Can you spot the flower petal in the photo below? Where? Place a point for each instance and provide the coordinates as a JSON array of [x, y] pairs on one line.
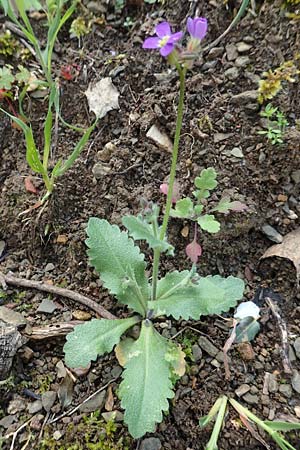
[[190, 26], [200, 28], [163, 29], [151, 42], [167, 49], [175, 37]]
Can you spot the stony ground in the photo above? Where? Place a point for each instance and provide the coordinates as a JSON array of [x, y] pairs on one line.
[[119, 166]]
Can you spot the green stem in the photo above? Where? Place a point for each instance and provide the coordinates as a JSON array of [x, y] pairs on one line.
[[212, 444], [182, 73]]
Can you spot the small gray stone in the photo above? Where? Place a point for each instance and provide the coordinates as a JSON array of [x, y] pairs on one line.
[[219, 137], [6, 421], [215, 52], [96, 7], [237, 152], [116, 371], [95, 403], [242, 47], [251, 399], [108, 149], [100, 169], [208, 346], [242, 390], [296, 381], [57, 435], [151, 443], [2, 248], [35, 407], [231, 52], [48, 400], [272, 234], [46, 306], [116, 416], [7, 315], [197, 353], [286, 390], [245, 98], [296, 176], [49, 267], [272, 383], [232, 73], [242, 61], [297, 347], [292, 355]]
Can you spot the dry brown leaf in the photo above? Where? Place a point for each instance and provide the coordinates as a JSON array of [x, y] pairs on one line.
[[109, 404], [29, 186], [65, 390], [289, 249], [102, 97]]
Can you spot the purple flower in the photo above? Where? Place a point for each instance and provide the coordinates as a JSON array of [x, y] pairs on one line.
[[165, 40], [197, 27]]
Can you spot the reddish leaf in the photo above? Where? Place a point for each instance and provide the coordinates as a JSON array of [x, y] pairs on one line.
[[193, 251], [238, 206], [29, 186], [66, 72]]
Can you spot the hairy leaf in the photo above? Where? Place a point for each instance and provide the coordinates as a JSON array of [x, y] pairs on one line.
[[6, 78], [176, 357], [225, 205], [209, 223], [140, 229], [146, 385], [277, 425], [183, 209], [94, 338], [119, 263], [179, 296]]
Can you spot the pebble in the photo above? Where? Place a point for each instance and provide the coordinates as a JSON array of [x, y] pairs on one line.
[[296, 381], [208, 346], [215, 52], [242, 61], [272, 234], [94, 403], [7, 315], [100, 169], [46, 306], [297, 347], [219, 137], [242, 390], [251, 399], [2, 249], [159, 138], [35, 407], [242, 47], [237, 152], [49, 267], [296, 176], [245, 98], [151, 443], [292, 355], [231, 52], [78, 314], [272, 383], [48, 400], [297, 411], [197, 353], [246, 351], [57, 435], [232, 73], [108, 149], [7, 421], [286, 390]]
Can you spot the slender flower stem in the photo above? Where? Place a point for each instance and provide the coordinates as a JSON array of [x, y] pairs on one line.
[[182, 74]]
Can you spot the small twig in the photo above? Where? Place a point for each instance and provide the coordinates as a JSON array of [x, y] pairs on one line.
[[226, 349], [75, 296], [287, 367], [69, 413], [15, 433], [254, 433]]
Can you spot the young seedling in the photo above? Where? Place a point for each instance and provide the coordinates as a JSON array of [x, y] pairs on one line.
[[16, 10], [276, 124], [248, 419], [152, 363]]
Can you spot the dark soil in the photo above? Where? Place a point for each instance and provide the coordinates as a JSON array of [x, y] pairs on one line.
[[264, 178]]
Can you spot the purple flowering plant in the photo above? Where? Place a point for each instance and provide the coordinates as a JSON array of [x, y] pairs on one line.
[[152, 363]]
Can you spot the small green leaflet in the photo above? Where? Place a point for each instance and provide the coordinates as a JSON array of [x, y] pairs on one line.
[[246, 330], [93, 339], [179, 297], [23, 76], [209, 223], [146, 385], [225, 205], [184, 209], [6, 78], [119, 262], [282, 426], [207, 179], [139, 229]]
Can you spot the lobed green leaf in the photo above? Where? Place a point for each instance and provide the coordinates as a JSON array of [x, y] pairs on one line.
[[209, 223], [180, 297], [93, 339], [184, 209], [146, 385], [119, 262]]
